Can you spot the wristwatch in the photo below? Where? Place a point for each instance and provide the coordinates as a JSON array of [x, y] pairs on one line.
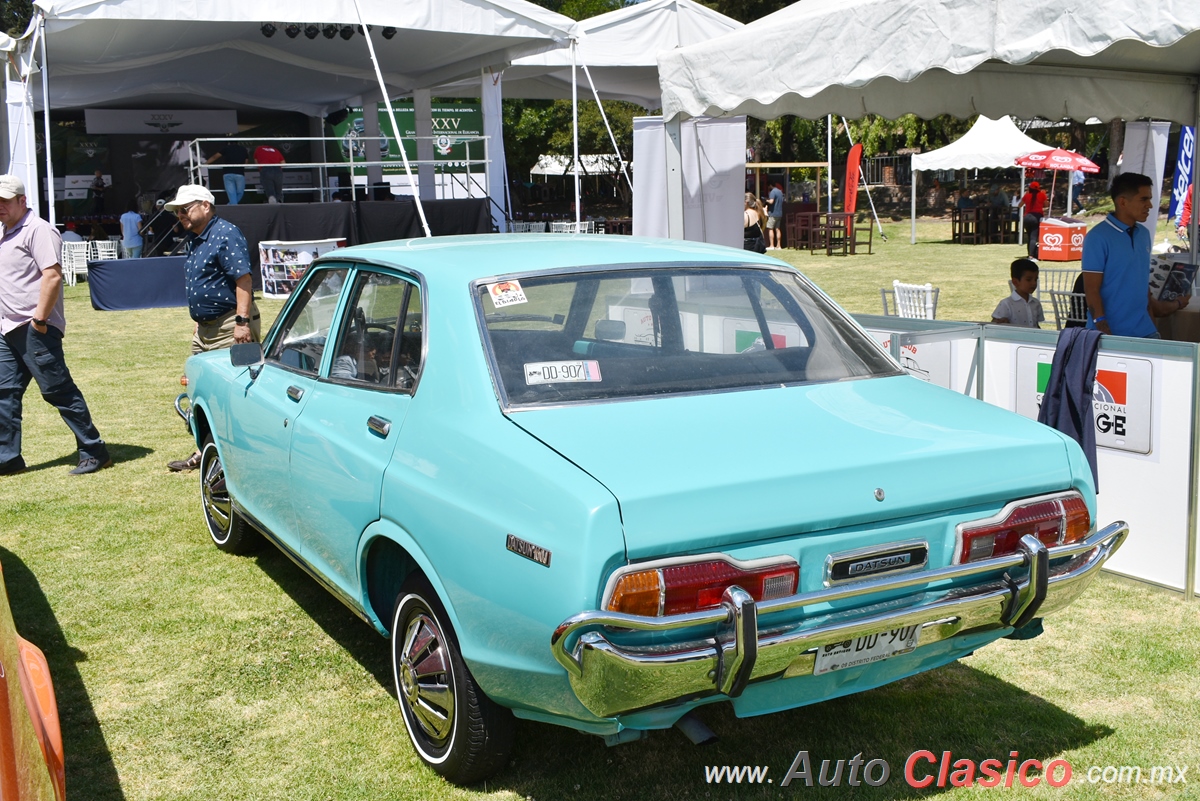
[[36, 321], [240, 320]]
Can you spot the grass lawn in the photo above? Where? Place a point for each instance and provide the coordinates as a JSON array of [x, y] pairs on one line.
[[185, 673]]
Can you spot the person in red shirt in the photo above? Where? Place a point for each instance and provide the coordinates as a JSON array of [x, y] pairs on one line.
[[270, 175], [1185, 218], [1034, 202]]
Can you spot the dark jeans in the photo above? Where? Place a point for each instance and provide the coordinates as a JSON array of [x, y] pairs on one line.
[[1032, 224], [26, 355], [272, 182]]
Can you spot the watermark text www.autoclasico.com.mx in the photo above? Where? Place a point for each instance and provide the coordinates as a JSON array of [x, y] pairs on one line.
[[929, 769]]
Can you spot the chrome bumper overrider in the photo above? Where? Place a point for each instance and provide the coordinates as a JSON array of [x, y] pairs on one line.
[[740, 646]]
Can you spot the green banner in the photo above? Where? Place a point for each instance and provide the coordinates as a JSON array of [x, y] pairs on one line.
[[453, 125]]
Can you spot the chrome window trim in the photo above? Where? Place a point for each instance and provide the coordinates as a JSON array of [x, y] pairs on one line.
[[507, 406], [675, 561], [1005, 511], [356, 263], [871, 550]]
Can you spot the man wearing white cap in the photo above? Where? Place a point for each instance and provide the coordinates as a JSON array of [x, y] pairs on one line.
[[32, 324], [217, 280]]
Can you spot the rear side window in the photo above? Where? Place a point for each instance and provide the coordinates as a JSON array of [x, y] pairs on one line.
[[639, 332], [380, 341], [301, 340]]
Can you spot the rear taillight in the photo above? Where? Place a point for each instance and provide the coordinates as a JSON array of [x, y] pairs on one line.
[[1055, 520], [691, 586]]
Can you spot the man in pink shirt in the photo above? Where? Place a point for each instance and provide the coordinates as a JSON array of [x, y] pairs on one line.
[[31, 332]]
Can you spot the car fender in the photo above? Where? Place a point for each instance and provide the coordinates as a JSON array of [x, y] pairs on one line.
[[389, 530]]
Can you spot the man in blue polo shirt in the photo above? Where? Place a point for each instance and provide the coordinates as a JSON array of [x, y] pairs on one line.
[[217, 280], [1116, 264]]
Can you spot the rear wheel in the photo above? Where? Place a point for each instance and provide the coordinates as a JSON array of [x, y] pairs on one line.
[[456, 729], [228, 530]]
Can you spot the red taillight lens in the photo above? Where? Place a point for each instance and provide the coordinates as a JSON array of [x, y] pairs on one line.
[[689, 587], [1054, 521]]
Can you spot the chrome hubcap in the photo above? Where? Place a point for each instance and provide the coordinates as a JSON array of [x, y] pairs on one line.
[[425, 678], [214, 493]]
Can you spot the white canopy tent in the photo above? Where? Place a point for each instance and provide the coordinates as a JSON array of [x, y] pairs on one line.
[[620, 51], [990, 144], [1075, 58], [163, 54], [122, 53]]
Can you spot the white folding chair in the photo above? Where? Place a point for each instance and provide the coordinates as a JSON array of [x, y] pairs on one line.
[[1056, 279], [916, 301], [537, 228], [103, 250], [1069, 308], [74, 261]]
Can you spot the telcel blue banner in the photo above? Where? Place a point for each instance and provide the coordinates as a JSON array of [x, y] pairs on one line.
[[1183, 171]]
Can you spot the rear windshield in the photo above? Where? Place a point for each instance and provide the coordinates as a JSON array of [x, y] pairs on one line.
[[641, 332]]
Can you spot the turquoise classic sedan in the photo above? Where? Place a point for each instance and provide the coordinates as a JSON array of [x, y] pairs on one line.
[[600, 482]]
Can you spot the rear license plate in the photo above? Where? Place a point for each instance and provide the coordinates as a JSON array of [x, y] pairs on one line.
[[866, 649]]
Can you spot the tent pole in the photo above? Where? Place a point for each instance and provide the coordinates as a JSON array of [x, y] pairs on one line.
[[829, 162], [575, 133], [608, 127], [1020, 214], [866, 187], [913, 217], [46, 123], [392, 118]]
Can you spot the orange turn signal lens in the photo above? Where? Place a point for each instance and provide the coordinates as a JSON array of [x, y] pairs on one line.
[[639, 593], [1077, 520]]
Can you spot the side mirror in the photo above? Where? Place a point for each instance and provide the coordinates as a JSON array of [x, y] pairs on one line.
[[246, 354]]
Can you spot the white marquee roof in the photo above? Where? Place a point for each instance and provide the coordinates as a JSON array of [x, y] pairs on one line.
[[169, 53], [1066, 58], [620, 49], [989, 144]]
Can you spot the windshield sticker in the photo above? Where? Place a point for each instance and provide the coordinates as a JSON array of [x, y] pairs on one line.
[[561, 372], [506, 293]]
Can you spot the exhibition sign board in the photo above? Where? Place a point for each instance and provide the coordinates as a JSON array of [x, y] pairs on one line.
[[283, 264], [1146, 400], [1144, 404], [457, 131], [940, 352]]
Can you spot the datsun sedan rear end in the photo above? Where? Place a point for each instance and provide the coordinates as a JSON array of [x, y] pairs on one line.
[[602, 481]]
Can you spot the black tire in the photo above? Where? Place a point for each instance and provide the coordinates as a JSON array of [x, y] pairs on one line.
[[456, 729], [228, 530]]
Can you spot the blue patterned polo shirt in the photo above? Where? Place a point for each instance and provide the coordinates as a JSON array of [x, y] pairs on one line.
[[217, 257]]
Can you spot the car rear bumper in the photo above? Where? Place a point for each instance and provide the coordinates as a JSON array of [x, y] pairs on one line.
[[742, 646]]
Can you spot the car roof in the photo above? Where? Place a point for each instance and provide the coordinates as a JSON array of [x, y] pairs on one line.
[[459, 259]]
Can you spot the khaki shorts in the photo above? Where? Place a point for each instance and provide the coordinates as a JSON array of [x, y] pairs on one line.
[[218, 333], [773, 222]]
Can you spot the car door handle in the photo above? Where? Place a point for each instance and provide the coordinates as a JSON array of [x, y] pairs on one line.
[[379, 426], [295, 393]]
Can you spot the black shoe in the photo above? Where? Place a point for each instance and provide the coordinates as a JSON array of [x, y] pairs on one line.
[[91, 465], [12, 468], [183, 465]]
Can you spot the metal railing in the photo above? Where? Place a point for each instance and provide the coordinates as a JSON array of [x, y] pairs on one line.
[[469, 175]]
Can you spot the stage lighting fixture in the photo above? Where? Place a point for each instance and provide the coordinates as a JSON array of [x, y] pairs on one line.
[[312, 31], [292, 30], [268, 29], [347, 32], [388, 33], [330, 31]]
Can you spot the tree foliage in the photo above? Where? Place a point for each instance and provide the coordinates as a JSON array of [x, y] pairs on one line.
[[15, 16]]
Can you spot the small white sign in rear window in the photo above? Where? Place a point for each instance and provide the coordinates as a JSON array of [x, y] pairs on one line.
[[561, 372], [506, 293]]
